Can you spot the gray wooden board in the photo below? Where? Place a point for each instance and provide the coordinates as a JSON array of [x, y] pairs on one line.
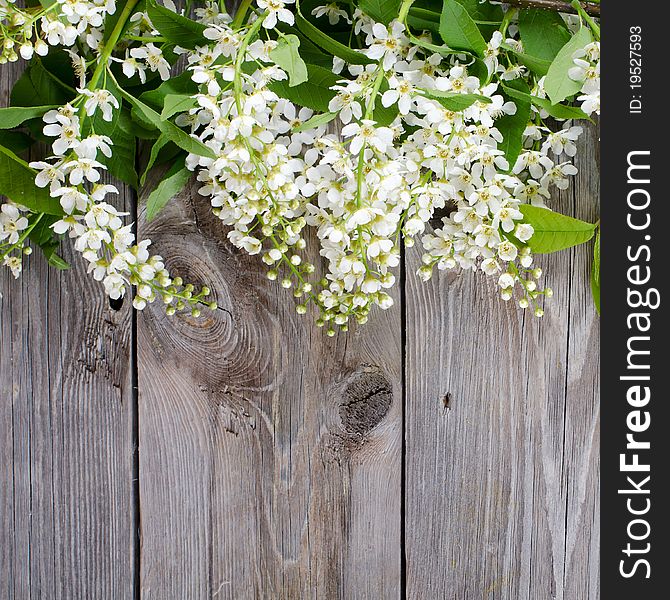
[[269, 453], [66, 450], [270, 456], [502, 488]]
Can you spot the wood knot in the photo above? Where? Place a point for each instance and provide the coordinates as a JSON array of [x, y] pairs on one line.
[[366, 400]]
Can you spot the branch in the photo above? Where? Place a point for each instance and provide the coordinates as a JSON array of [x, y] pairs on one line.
[[592, 8]]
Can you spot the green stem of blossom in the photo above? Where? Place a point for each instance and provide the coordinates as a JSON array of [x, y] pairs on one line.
[[589, 20], [24, 235], [240, 14], [111, 43], [239, 59], [146, 38]]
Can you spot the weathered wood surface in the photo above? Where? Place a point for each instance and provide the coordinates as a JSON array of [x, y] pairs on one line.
[[275, 462], [502, 487], [66, 433]]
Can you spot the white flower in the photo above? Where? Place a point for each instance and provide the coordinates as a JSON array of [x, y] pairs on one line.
[[346, 103], [84, 168], [88, 147], [558, 175], [507, 251], [276, 10], [387, 43], [333, 12], [12, 223], [506, 280], [14, 264], [366, 133], [49, 174], [401, 92], [131, 67], [524, 232], [563, 141], [102, 99], [67, 132], [71, 199], [492, 51], [154, 59], [590, 103]]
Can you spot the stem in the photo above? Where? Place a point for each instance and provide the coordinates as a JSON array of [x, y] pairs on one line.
[[138, 38], [584, 15], [111, 43], [507, 19], [24, 235], [404, 10], [240, 14], [591, 7], [239, 59]]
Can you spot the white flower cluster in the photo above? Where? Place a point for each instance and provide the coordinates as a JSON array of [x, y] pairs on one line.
[[587, 71], [255, 182], [373, 184], [73, 176], [24, 32], [13, 224]]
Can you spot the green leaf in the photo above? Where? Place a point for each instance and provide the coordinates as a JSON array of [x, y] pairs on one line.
[[595, 272], [458, 30], [180, 85], [482, 11], [558, 111], [38, 86], [557, 83], [17, 182], [16, 141], [174, 182], [538, 66], [382, 11], [315, 93], [328, 43], [543, 33], [486, 16], [315, 121], [162, 151], [122, 162], [286, 56], [177, 29], [155, 149], [554, 231], [177, 103], [173, 133], [512, 126], [419, 19], [13, 116], [454, 101], [443, 50]]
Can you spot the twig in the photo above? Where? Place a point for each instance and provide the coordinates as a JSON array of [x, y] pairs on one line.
[[592, 8]]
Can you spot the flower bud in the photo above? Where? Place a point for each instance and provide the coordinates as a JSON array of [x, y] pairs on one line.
[[26, 50]]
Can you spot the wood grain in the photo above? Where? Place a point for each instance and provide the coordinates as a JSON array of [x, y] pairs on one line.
[[501, 488], [269, 453], [66, 518], [271, 456]]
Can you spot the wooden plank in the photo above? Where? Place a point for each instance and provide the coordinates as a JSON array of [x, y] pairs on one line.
[[582, 423], [501, 490], [269, 453], [66, 405]]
